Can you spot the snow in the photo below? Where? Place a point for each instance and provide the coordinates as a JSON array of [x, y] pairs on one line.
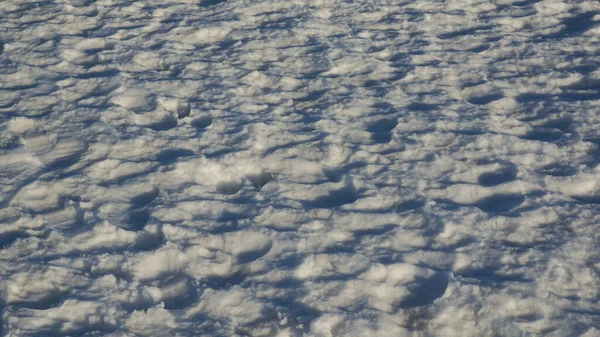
[[299, 168]]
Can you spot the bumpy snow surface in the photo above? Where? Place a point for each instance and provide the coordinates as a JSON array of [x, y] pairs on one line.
[[300, 168]]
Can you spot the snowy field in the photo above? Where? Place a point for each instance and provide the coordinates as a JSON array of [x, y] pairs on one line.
[[300, 168]]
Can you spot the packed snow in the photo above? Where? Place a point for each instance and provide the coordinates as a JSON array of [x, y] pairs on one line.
[[300, 168]]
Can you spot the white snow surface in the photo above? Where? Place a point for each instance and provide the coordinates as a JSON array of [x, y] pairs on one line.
[[300, 168]]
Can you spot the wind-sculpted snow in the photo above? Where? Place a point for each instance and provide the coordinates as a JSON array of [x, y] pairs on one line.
[[299, 168]]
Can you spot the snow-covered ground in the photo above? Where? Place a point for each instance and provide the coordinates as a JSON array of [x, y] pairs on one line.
[[300, 168]]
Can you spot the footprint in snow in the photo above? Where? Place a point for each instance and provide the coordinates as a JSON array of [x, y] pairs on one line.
[[229, 186], [202, 122], [247, 246], [381, 129], [175, 291], [497, 173]]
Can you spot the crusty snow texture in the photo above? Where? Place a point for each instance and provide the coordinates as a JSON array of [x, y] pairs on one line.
[[295, 168]]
